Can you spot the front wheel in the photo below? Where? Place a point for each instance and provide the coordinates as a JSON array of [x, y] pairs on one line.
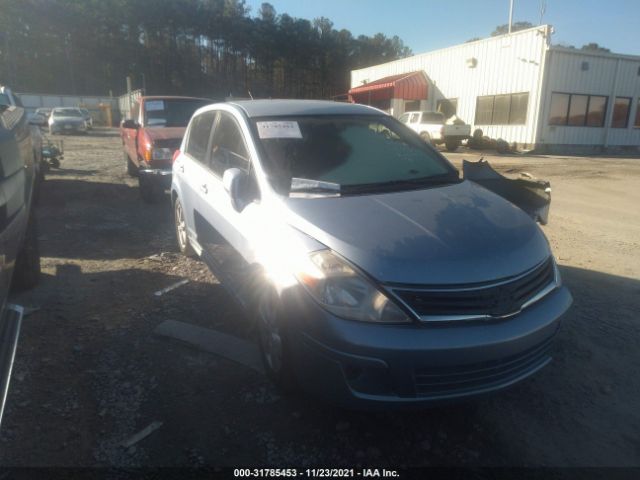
[[27, 267], [130, 167], [426, 137], [452, 145], [181, 230], [273, 340]]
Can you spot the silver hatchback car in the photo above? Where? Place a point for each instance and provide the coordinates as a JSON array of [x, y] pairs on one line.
[[377, 276]]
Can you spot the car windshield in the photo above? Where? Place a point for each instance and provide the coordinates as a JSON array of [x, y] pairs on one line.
[[347, 153], [67, 112], [170, 113]]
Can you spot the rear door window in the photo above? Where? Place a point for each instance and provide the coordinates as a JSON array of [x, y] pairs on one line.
[[199, 134], [433, 117]]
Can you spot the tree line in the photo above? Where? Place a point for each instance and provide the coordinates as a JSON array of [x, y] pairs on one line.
[[214, 48]]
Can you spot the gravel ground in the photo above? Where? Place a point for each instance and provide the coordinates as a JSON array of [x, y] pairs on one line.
[[90, 373]]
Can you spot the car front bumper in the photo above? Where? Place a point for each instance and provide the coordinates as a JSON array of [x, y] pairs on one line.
[[363, 365], [68, 128]]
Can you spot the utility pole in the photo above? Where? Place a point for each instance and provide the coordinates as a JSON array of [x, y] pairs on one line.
[[510, 14]]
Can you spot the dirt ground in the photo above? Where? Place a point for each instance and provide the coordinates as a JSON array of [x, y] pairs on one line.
[[89, 371]]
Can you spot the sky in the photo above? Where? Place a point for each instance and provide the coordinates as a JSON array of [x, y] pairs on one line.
[[425, 25]]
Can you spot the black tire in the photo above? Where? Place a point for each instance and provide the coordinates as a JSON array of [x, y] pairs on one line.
[[273, 340], [452, 145], [27, 268], [182, 238], [131, 168], [149, 190]]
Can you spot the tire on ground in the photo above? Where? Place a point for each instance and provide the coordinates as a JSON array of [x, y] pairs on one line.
[[27, 268], [131, 168]]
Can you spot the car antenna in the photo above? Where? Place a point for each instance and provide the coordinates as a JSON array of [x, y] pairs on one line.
[[250, 96]]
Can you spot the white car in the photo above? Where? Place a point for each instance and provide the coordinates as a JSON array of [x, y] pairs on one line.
[[434, 128], [67, 120]]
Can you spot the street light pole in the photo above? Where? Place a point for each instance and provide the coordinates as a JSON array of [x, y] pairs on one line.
[[510, 14]]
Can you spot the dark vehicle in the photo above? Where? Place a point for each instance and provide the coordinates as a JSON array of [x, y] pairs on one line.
[[45, 112], [152, 135], [19, 254]]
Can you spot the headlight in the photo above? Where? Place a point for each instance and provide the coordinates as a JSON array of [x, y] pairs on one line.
[[162, 154], [346, 293], [556, 273]]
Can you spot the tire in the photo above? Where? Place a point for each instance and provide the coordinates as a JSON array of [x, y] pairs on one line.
[[274, 340], [452, 145], [149, 190], [131, 168], [426, 137], [27, 269], [182, 237]]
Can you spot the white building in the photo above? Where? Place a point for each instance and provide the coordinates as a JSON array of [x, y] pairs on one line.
[[520, 88]]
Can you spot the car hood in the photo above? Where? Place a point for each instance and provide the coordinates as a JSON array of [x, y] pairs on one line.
[[454, 234], [165, 133]]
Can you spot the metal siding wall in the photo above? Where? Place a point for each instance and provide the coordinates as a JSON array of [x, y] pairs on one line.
[[506, 64], [567, 76]]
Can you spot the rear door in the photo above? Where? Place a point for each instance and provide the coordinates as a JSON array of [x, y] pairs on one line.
[[191, 167]]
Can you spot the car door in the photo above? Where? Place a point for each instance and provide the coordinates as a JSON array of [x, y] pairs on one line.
[[228, 149], [191, 167]]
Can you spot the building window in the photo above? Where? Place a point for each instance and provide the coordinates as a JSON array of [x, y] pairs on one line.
[[637, 122], [448, 107], [577, 110], [621, 109], [510, 109], [412, 105]]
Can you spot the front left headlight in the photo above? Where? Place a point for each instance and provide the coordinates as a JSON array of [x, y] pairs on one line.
[[346, 293]]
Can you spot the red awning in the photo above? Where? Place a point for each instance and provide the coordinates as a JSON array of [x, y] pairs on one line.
[[407, 86]]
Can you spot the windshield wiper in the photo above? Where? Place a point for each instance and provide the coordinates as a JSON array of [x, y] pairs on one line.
[[307, 185], [407, 182]]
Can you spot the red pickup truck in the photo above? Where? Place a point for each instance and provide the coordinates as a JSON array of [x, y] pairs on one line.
[[151, 136]]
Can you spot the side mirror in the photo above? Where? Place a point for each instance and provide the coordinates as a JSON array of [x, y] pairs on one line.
[[130, 124], [233, 181]]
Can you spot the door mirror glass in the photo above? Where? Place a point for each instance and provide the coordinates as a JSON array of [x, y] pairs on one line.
[[233, 181]]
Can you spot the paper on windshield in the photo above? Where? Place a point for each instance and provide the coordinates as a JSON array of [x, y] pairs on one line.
[[154, 105], [281, 129]]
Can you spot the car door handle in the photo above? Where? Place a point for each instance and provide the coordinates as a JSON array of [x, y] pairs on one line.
[[203, 188], [181, 168]]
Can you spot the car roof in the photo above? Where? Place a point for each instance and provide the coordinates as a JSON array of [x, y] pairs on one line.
[[276, 108]]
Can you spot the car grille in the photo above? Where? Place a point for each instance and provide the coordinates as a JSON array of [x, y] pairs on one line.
[[454, 380], [496, 300]]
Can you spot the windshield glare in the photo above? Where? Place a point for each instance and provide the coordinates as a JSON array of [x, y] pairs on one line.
[[67, 112], [351, 151], [170, 113]]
